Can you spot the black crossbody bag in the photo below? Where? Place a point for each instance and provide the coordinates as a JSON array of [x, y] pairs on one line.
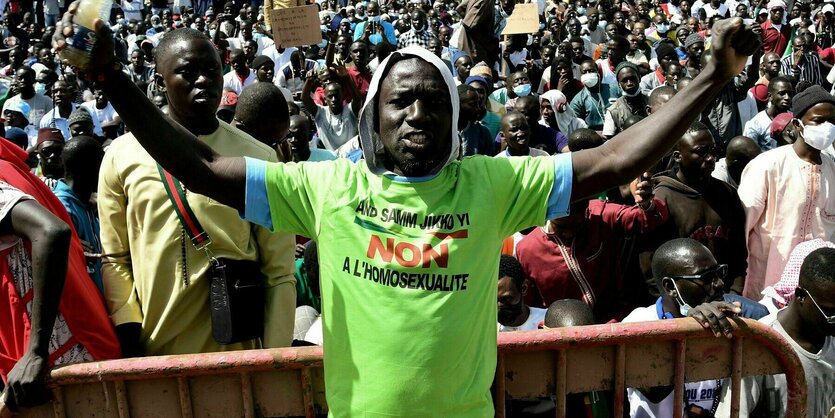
[[236, 292]]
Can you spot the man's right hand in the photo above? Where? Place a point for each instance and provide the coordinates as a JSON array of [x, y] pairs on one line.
[[732, 43], [715, 316], [25, 387], [797, 58], [103, 54]]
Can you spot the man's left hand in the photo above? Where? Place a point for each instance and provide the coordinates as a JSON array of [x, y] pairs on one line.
[[25, 387], [641, 189]]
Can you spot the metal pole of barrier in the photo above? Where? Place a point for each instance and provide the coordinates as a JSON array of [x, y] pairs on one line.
[[122, 399], [185, 397], [678, 397], [246, 393], [562, 394], [307, 392], [736, 376], [620, 379], [58, 403]]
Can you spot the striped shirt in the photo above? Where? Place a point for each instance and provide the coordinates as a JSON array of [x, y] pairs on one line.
[[808, 70]]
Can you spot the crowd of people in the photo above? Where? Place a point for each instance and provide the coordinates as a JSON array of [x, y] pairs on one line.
[[629, 161]]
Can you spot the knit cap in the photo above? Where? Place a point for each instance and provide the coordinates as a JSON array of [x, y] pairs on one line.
[[692, 39], [261, 60], [79, 115], [627, 64], [807, 98]]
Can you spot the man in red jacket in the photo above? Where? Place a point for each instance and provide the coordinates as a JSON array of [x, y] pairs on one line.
[[580, 256], [776, 33], [50, 309]]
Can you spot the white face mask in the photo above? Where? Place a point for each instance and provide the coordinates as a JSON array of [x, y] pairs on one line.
[[819, 137], [590, 79]]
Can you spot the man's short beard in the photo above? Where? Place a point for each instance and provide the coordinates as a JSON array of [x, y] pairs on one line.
[[412, 165]]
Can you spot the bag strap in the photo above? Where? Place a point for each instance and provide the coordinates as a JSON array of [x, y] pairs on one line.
[[199, 237]]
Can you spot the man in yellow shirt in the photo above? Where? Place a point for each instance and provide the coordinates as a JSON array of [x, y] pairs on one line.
[[155, 280]]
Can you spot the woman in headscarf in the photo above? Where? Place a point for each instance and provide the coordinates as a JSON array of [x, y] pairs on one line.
[[557, 114]]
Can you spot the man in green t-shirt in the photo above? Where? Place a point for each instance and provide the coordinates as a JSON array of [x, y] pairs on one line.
[[409, 239]]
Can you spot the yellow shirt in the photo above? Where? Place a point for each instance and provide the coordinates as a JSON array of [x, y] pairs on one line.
[[145, 247]]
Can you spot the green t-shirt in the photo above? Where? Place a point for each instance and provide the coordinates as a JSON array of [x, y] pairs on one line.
[[408, 273]]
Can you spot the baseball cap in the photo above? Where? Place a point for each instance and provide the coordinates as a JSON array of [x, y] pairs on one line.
[[779, 123]]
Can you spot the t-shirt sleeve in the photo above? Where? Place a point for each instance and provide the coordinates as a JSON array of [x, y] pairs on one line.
[[256, 205], [560, 197], [528, 191], [10, 196], [298, 193]]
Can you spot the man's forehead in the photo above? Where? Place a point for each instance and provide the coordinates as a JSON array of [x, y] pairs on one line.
[[697, 139], [401, 76]]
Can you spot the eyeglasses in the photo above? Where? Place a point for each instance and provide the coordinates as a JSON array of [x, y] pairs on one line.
[[830, 319], [711, 276]]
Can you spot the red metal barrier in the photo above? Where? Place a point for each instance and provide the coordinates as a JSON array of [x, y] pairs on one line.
[[554, 362]]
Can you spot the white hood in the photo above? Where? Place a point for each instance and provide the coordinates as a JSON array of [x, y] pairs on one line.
[[372, 146]]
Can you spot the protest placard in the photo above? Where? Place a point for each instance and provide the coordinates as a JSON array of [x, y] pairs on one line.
[[296, 26], [524, 19]]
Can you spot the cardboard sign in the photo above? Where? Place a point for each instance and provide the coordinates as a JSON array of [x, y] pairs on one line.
[[296, 26], [525, 19]]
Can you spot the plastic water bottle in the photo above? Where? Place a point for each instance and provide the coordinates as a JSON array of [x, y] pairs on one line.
[[80, 46]]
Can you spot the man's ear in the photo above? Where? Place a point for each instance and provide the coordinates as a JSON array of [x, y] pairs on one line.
[[524, 289], [160, 82], [668, 286], [676, 156]]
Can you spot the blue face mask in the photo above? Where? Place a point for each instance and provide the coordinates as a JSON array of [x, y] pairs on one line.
[[323, 44], [581, 11], [522, 90], [662, 28], [40, 88]]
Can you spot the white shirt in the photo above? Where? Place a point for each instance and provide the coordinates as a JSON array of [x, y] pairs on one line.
[[104, 115], [63, 124], [279, 58], [771, 392], [759, 129], [710, 11], [132, 9], [335, 130], [232, 82], [39, 105], [263, 44], [535, 317], [720, 172], [702, 393]]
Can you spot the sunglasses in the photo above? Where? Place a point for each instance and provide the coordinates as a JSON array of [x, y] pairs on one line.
[[830, 319], [711, 276]]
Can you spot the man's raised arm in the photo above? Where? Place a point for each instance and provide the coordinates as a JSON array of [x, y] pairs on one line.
[[636, 149], [176, 149]]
